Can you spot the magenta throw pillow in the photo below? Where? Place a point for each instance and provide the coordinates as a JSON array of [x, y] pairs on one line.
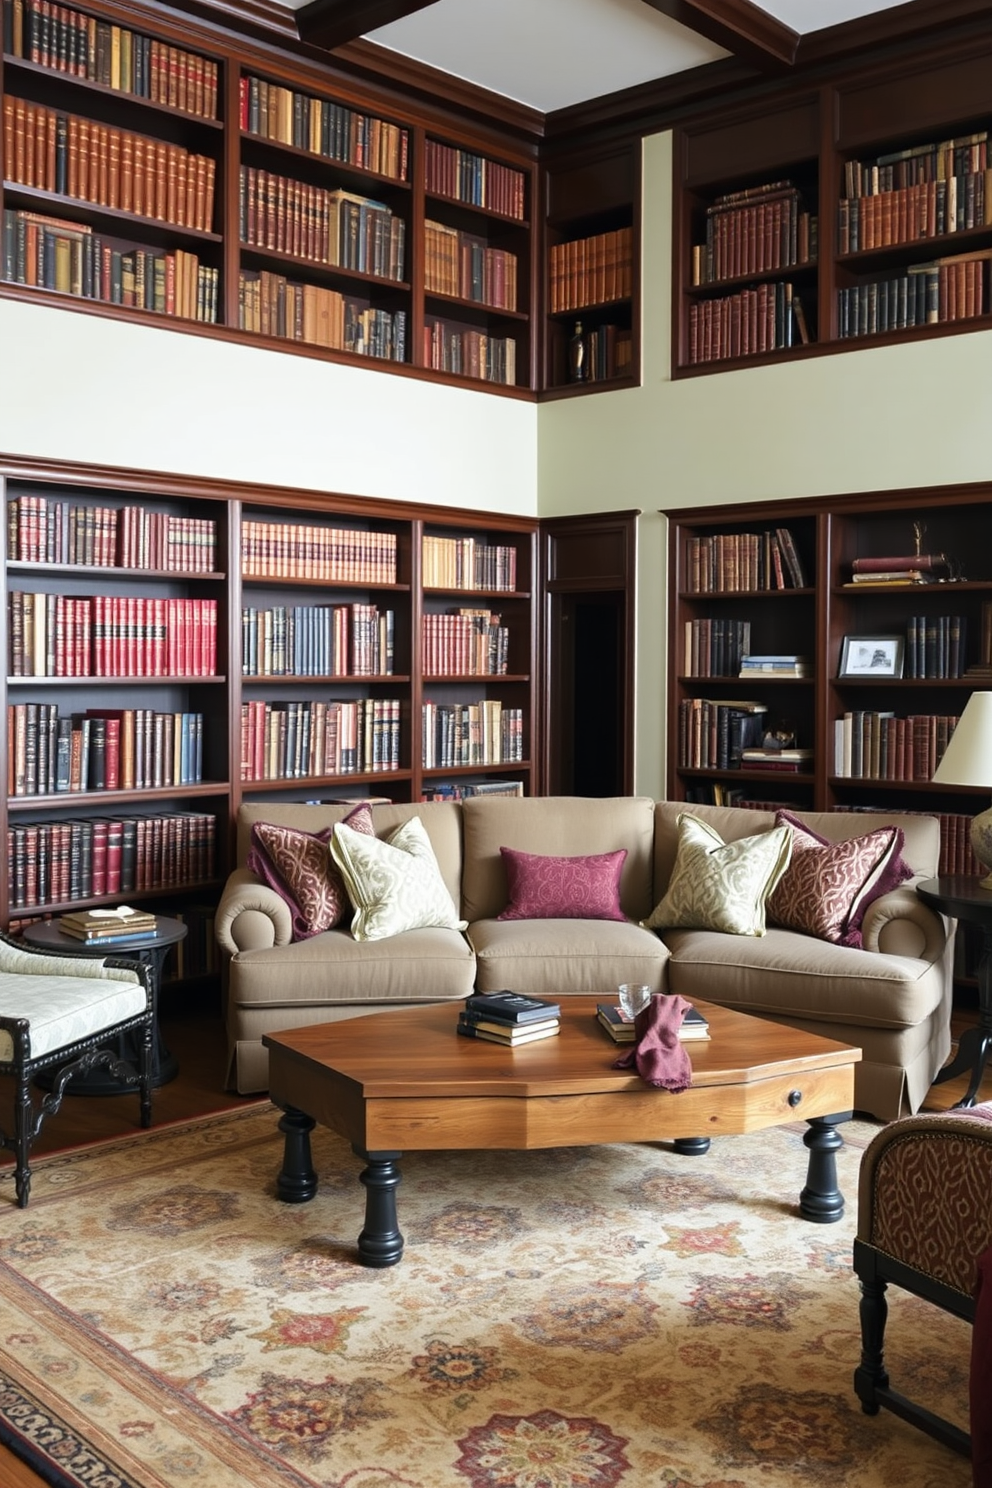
[[299, 867], [828, 886], [563, 888]]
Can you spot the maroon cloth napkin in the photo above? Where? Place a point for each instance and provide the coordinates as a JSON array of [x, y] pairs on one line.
[[658, 1052]]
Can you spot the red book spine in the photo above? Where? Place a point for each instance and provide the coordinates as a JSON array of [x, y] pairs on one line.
[[98, 879]]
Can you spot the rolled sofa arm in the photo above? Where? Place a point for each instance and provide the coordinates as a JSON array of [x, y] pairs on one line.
[[251, 916], [900, 924]]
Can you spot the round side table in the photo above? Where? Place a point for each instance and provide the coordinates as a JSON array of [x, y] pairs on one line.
[[961, 896], [151, 949]]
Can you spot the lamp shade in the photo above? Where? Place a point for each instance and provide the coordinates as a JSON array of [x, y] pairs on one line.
[[967, 760]]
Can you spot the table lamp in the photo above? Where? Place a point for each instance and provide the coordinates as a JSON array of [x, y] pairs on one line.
[[967, 760]]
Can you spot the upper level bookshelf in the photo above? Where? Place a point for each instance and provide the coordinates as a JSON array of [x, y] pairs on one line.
[[593, 273], [175, 646], [176, 171], [855, 211], [860, 659]]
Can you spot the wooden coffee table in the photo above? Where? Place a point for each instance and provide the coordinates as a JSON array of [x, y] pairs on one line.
[[404, 1080]]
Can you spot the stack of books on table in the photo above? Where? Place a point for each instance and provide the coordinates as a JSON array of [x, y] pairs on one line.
[[780, 664], [508, 1018], [109, 926], [621, 1028], [788, 760]]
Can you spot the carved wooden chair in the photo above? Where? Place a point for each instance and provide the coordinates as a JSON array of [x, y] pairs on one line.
[[67, 1014], [924, 1224]]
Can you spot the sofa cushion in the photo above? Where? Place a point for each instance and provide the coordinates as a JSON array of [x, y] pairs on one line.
[[551, 958], [566, 826], [717, 885], [395, 885], [545, 888], [828, 885], [298, 866]]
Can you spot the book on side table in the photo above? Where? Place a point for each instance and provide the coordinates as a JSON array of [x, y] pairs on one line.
[[621, 1028], [108, 926], [508, 1018]]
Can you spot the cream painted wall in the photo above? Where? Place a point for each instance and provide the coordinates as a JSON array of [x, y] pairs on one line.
[[874, 419], [80, 387]]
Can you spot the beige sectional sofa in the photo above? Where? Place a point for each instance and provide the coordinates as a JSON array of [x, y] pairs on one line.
[[892, 997]]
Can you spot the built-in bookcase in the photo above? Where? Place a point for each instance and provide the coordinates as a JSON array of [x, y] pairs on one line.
[[175, 646], [876, 732]]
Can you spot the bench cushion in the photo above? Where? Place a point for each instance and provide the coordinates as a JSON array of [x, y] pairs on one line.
[[62, 1010]]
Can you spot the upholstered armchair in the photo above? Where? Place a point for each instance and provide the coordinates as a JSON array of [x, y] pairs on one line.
[[925, 1224]]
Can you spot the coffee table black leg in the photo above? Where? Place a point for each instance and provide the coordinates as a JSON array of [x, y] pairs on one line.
[[691, 1146], [297, 1180], [380, 1243], [821, 1201]]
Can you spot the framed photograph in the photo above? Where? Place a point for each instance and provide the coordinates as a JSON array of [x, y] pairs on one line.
[[872, 656]]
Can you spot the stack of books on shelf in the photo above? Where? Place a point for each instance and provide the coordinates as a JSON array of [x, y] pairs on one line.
[[784, 664], [910, 568], [108, 926], [621, 1028], [786, 760], [713, 734], [508, 1018]]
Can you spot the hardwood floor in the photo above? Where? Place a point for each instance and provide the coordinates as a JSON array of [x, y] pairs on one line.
[[194, 1032]]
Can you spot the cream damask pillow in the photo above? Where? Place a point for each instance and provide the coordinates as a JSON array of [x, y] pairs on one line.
[[717, 885], [394, 885]]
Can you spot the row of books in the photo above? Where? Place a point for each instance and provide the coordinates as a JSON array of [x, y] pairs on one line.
[[927, 294], [110, 635], [71, 259], [353, 640], [592, 271], [508, 1018], [297, 740], [713, 647], [339, 228], [468, 563], [608, 352], [771, 230], [768, 318], [334, 555], [462, 734], [956, 855], [61, 862], [272, 305], [935, 645], [47, 529], [874, 745], [459, 791], [712, 734], [934, 160], [469, 353], [467, 643], [67, 40], [333, 130], [463, 264], [49, 753], [88, 161], [724, 562], [463, 176]]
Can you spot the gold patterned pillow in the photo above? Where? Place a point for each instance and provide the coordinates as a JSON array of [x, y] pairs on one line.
[[717, 885]]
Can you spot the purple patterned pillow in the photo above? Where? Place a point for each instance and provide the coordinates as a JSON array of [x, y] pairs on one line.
[[299, 867], [563, 888], [828, 886]]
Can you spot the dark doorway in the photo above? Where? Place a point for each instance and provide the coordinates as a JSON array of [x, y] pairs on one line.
[[597, 719]]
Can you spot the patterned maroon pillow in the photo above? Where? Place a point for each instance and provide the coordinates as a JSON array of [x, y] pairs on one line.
[[563, 888], [298, 866], [828, 886]]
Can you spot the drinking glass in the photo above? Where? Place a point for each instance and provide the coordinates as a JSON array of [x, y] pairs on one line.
[[633, 999]]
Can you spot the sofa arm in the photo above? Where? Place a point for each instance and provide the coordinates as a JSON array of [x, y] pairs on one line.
[[900, 924], [251, 916]]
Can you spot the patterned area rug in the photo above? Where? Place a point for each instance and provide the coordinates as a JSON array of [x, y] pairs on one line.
[[582, 1318]]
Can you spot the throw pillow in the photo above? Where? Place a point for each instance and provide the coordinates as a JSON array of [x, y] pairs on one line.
[[298, 866], [829, 885], [394, 885], [563, 888], [717, 885]]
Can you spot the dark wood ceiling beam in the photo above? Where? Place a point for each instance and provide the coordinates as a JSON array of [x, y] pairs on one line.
[[744, 29], [330, 23]]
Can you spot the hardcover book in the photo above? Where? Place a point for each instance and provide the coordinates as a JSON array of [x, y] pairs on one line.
[[511, 1007], [621, 1028], [508, 1038]]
